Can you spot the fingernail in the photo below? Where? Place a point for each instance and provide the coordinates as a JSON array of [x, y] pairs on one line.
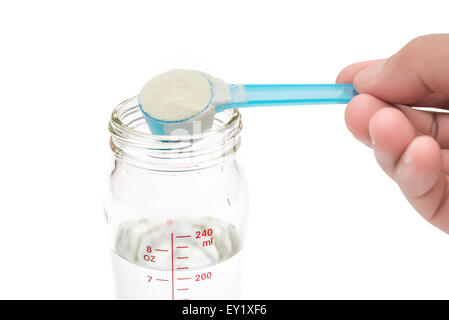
[[367, 143], [407, 159], [363, 140], [370, 72], [385, 160]]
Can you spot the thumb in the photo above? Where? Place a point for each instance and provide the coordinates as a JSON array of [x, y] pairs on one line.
[[418, 74]]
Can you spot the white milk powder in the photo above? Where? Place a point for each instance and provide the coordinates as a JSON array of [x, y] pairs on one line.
[[180, 94]]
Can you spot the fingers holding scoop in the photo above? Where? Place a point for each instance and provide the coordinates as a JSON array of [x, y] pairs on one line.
[[404, 152], [410, 145]]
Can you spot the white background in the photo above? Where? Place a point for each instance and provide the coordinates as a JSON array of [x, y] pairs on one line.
[[325, 221]]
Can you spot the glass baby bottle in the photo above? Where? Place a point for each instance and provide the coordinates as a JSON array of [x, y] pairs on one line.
[[176, 209]]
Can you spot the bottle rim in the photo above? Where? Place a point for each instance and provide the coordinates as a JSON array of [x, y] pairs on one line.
[[145, 148]]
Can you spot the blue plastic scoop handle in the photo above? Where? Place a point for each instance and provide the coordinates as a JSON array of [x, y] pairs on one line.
[[259, 95]]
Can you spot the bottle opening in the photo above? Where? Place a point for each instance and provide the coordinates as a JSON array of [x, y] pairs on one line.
[[132, 140]]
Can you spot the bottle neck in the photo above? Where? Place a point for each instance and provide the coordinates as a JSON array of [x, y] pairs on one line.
[[132, 141]]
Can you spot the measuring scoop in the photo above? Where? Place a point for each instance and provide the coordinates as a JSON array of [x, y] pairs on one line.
[[228, 96]]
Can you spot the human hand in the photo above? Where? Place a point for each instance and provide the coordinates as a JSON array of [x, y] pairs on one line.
[[410, 145]]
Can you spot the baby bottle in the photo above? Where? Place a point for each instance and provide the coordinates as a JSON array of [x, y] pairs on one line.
[[176, 209]]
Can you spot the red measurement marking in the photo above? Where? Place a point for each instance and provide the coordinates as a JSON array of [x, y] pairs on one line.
[[182, 258], [184, 278], [149, 258], [182, 268], [172, 271], [160, 250], [203, 276], [183, 247], [205, 233], [183, 236], [182, 289], [162, 279]]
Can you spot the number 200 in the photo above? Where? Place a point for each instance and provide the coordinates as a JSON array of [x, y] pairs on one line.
[[203, 276]]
